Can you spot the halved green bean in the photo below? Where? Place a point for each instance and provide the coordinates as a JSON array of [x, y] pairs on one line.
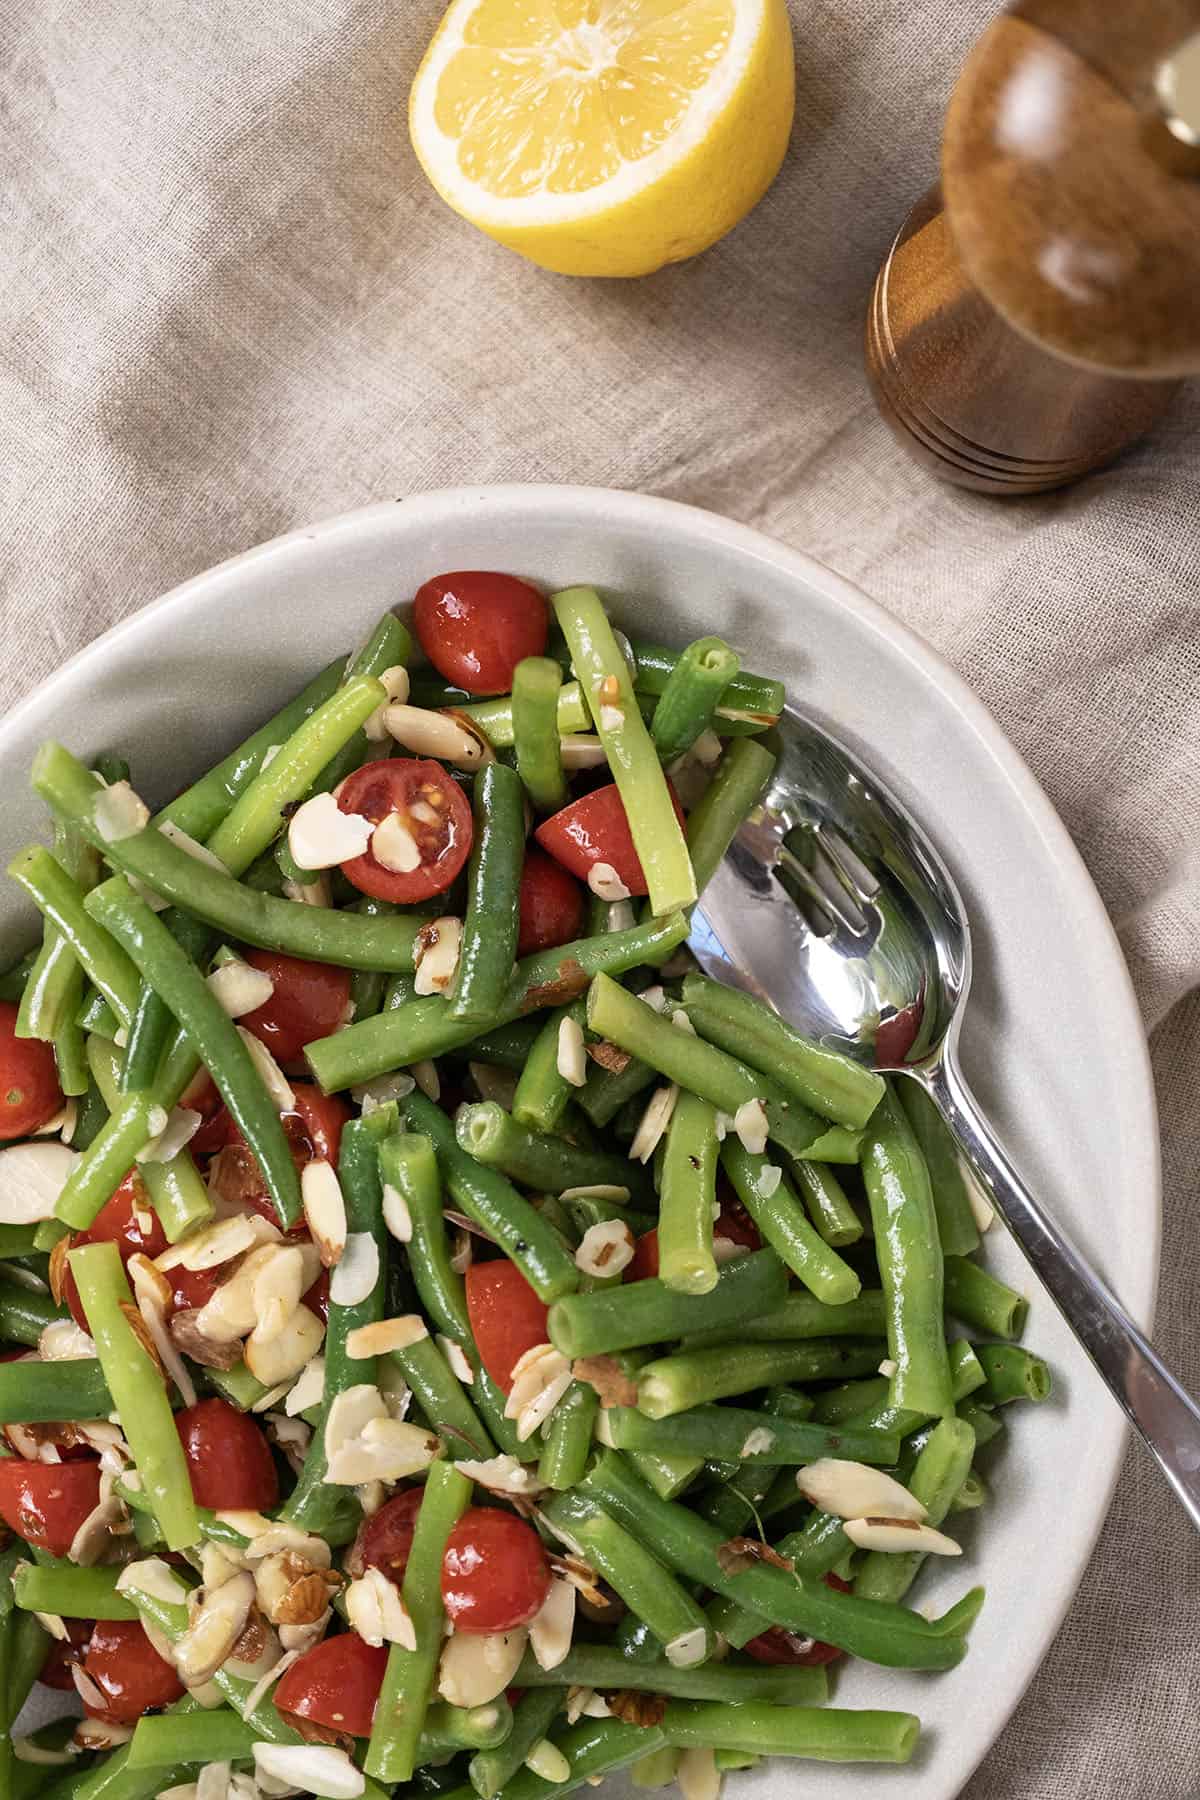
[[823, 1079], [957, 1228], [822, 1734], [444, 1401], [542, 1090], [204, 1737], [768, 1197], [910, 1260], [137, 1390], [489, 936], [803, 1316], [939, 1472], [409, 1164], [492, 1202], [695, 1064], [982, 1301], [61, 900], [740, 1435], [690, 1378], [604, 678], [101, 1169], [550, 1164], [424, 1028], [690, 695], [828, 1206], [72, 1592], [1011, 1373], [648, 1588], [495, 717], [36, 1392], [687, 1189], [568, 1437], [536, 684], [649, 1312], [25, 1312], [408, 1681]]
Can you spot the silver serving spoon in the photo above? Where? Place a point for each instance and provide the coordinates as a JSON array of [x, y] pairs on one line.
[[867, 947]]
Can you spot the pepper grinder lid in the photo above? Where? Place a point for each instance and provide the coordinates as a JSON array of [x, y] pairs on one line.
[[1071, 174]]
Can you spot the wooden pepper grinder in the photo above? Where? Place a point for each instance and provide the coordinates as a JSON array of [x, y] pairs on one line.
[[1039, 306]]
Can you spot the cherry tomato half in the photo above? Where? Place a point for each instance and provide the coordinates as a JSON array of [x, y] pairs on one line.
[[46, 1503], [129, 1672], [62, 1656], [506, 1316], [644, 1266], [475, 627], [117, 1223], [335, 1684], [595, 830], [29, 1090], [228, 1458], [495, 1574], [440, 825], [551, 903], [311, 1000], [314, 1133], [202, 1095], [385, 1541], [733, 1221], [316, 1298], [788, 1649]]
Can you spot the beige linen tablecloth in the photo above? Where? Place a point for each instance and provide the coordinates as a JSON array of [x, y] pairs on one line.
[[231, 304]]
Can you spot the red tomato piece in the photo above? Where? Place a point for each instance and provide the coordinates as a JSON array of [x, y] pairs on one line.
[[495, 1574], [129, 1672], [385, 1541], [29, 1090], [644, 1266], [506, 1316], [476, 626], [551, 903], [314, 1133], [117, 1223], [789, 1649], [316, 1298], [335, 1684], [442, 826], [310, 1001], [595, 830], [228, 1458], [46, 1503], [734, 1222], [62, 1657], [193, 1288], [203, 1096]]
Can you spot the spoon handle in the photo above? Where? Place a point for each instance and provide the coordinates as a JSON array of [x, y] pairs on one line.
[[1165, 1415]]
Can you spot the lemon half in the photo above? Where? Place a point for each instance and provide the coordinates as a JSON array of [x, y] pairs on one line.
[[605, 137]]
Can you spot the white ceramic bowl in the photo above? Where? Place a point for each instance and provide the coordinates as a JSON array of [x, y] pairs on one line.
[[1054, 1044]]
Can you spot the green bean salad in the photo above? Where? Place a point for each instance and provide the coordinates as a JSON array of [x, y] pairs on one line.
[[453, 1346]]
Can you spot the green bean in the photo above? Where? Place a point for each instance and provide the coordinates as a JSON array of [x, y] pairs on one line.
[[687, 1190], [737, 1434], [691, 694], [910, 1260], [536, 684], [837, 1145], [746, 692], [24, 1313], [70, 1591], [441, 1397], [257, 815], [813, 1551], [690, 1378], [593, 1748], [769, 1198], [464, 1727], [491, 1770], [204, 1737], [1011, 1373], [649, 1312], [111, 1778], [802, 1316], [28, 1647], [96, 1015], [62, 901], [828, 1207], [408, 1164], [389, 646], [489, 936], [939, 1472], [408, 1681], [314, 1500], [493, 1137], [734, 791], [492, 1202], [542, 1091], [694, 1064], [90, 1117], [971, 1495], [15, 978], [822, 1734], [508, 1046], [821, 1078], [70, 1058], [211, 1031], [495, 717], [648, 1588], [18, 1240], [725, 1761], [602, 1666], [137, 1390], [202, 807], [982, 1301], [957, 1228], [104, 1165], [604, 678], [984, 1422], [568, 1437], [424, 1028], [582, 1210], [667, 1475], [608, 1090], [884, 1634], [853, 1399], [318, 933], [178, 1194], [152, 1021], [52, 993], [368, 986], [731, 1504], [657, 1770]]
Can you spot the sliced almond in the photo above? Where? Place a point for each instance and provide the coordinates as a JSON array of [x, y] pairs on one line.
[[174, 1134], [32, 1176], [653, 1123], [268, 1071], [394, 846], [434, 734], [605, 883], [436, 953], [750, 1124], [552, 1627], [426, 1076], [350, 1412], [396, 1215], [582, 750], [697, 1775], [688, 1649], [311, 1768], [230, 1312], [769, 1178], [277, 1290], [239, 988], [600, 1191], [100, 1734], [476, 1667], [357, 1270], [308, 1389], [854, 1490], [219, 1242], [387, 1450], [63, 1341], [572, 1058], [154, 1578], [386, 1335], [321, 835], [216, 1626], [376, 1611], [276, 1535], [119, 813], [540, 1378], [282, 1357], [500, 1475], [606, 1248], [899, 1535], [456, 1357], [395, 684], [155, 1301]]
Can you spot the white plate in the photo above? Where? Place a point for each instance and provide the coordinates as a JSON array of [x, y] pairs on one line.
[[1054, 1043]]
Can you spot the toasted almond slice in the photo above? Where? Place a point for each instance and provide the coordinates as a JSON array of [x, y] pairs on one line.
[[387, 1450], [601, 1191], [199, 852], [119, 813], [582, 750], [436, 953], [476, 1667], [728, 1250], [690, 1648], [606, 1248], [230, 1313], [605, 883], [154, 1578], [653, 1123], [758, 1442], [32, 1176], [259, 1692], [500, 1475], [324, 1209], [370, 1094], [219, 1242], [278, 1286], [385, 1335], [769, 1178], [540, 1379], [154, 1297], [282, 1357], [425, 1075], [240, 988], [100, 1734], [854, 1490], [349, 1413], [321, 835], [434, 734], [308, 1389], [215, 1628], [396, 1215], [376, 1611], [357, 1270], [269, 1072], [396, 684], [312, 1768], [63, 1341], [277, 1535], [698, 1775], [176, 1132], [547, 1761], [552, 1627], [899, 1535], [26, 1750], [572, 1058], [456, 1357], [316, 892], [394, 846], [750, 1124]]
